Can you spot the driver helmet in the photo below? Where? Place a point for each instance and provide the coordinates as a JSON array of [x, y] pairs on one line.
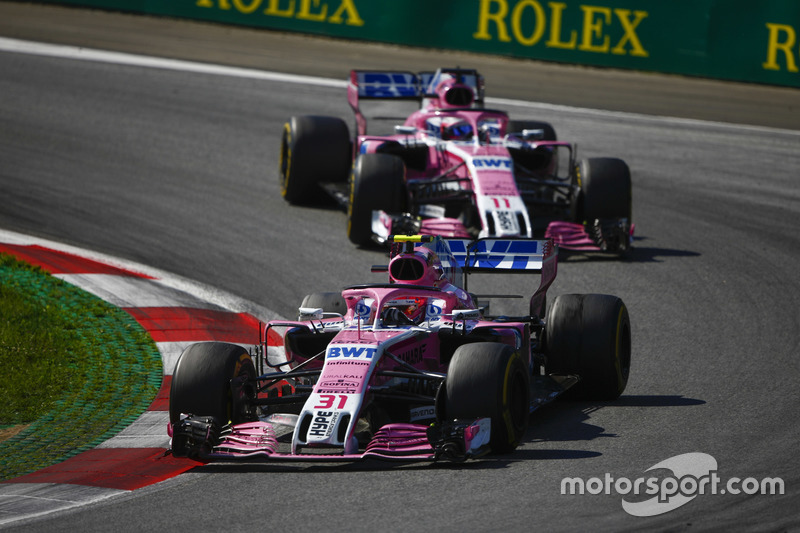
[[458, 131], [413, 308]]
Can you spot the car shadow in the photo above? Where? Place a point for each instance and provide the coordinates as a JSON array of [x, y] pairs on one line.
[[568, 420], [561, 421]]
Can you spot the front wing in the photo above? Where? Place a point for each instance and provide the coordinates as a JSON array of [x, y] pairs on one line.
[[201, 438]]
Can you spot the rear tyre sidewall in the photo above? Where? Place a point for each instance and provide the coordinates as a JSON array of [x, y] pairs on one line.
[[314, 150], [605, 189], [590, 335], [377, 183]]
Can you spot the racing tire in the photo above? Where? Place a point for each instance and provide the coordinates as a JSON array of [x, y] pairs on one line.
[[201, 383], [330, 302], [516, 126], [314, 150], [590, 335], [490, 380], [377, 183], [605, 189]]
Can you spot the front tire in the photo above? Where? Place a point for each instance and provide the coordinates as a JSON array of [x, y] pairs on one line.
[[377, 183], [487, 379], [201, 383], [590, 335], [314, 150]]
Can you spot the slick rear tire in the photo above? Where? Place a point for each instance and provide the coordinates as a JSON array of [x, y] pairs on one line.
[[314, 150], [377, 183], [201, 383], [590, 335], [490, 380], [605, 189]]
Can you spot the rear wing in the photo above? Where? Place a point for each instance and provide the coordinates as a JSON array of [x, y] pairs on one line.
[[380, 85], [509, 255], [404, 85], [366, 84], [464, 256]]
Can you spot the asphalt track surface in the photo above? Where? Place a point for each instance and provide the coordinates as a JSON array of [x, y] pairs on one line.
[[177, 170]]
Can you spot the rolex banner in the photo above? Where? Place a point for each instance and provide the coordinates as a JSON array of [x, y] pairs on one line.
[[726, 39]]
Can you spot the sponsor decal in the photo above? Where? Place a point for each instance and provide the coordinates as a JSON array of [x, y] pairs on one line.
[[506, 221], [339, 383], [320, 423], [781, 44], [337, 386], [503, 163], [348, 362], [323, 423], [351, 352], [387, 85], [422, 413], [413, 355], [529, 22], [329, 12]]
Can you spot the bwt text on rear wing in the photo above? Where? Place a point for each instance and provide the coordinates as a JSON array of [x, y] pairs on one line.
[[507, 255], [404, 85], [380, 85]]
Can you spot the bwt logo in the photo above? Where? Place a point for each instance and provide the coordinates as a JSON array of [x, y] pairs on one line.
[[352, 352], [492, 162], [387, 85], [693, 474]]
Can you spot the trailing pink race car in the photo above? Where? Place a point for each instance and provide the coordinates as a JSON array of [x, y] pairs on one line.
[[413, 369], [453, 168]]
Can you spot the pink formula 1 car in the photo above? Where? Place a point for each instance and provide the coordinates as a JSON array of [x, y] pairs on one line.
[[413, 369], [453, 168]]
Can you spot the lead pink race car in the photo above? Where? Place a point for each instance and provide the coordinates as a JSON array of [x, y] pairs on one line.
[[452, 168], [414, 369]]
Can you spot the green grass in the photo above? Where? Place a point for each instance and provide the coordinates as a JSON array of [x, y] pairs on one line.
[[37, 341], [75, 368]]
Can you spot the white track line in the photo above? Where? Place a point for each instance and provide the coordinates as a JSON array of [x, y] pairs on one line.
[[121, 58]]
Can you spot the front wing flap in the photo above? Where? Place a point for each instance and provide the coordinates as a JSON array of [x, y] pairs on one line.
[[201, 439]]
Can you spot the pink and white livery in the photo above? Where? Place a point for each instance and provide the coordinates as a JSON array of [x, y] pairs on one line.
[[453, 168], [412, 370]]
